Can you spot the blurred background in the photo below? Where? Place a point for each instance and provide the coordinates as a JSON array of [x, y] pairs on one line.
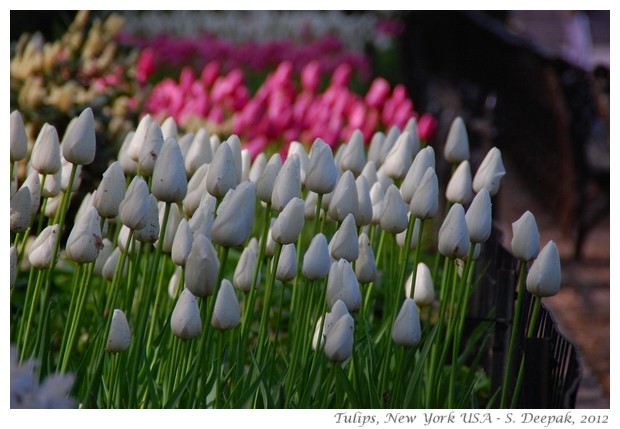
[[533, 83]]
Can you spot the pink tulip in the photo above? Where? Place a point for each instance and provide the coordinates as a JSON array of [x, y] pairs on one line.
[[427, 125], [378, 93], [310, 76], [145, 65]]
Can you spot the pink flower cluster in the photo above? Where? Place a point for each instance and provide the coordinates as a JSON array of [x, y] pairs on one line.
[[282, 110], [172, 52]]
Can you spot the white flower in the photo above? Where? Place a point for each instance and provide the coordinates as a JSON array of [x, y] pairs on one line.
[[195, 190], [424, 160], [201, 267], [338, 310], [201, 221], [377, 194], [256, 170], [137, 141], [322, 174], [226, 313], [287, 185], [342, 284], [490, 172], [289, 223], [34, 186], [42, 249], [111, 191], [19, 140], [316, 262], [459, 188], [119, 336], [545, 276], [185, 142], [453, 234], [235, 217], [175, 282], [344, 242], [388, 143], [150, 149], [364, 204], [370, 173], [344, 200], [52, 184], [525, 242], [425, 201], [110, 264], [374, 148], [406, 330], [149, 233], [45, 156], [222, 176], [103, 256], [353, 157], [304, 161], [310, 205], [399, 159], [287, 264], [182, 243], [423, 291], [199, 152], [457, 143], [246, 161], [65, 175], [169, 128], [185, 320], [174, 218], [215, 142], [265, 182], [169, 179], [402, 236], [365, 266], [84, 242], [393, 218], [21, 210], [339, 340], [79, 145], [133, 209], [478, 217], [235, 147], [244, 272]]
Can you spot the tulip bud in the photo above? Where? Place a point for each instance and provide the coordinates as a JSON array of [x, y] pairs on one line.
[[287, 264], [344, 243], [425, 201], [149, 233], [185, 143], [110, 264], [424, 291], [235, 147], [478, 217], [388, 143], [377, 194], [45, 156], [174, 218], [339, 341], [201, 267], [289, 223], [169, 179], [195, 190], [13, 263], [103, 256], [287, 185], [453, 234], [310, 205], [270, 247], [129, 165], [42, 250], [222, 176], [119, 336], [123, 236], [111, 191], [150, 149], [322, 174], [370, 173], [226, 313], [235, 217], [406, 330], [353, 157], [182, 243], [374, 149], [244, 272], [246, 161], [364, 204], [304, 161], [525, 242], [545, 277], [169, 128], [175, 282], [399, 159], [459, 187], [365, 267], [21, 210], [490, 172], [267, 179], [34, 186], [316, 260], [19, 140], [202, 219], [215, 142], [79, 145], [342, 284], [185, 320], [339, 309], [457, 144], [133, 209], [53, 203], [257, 168], [137, 141], [344, 200], [424, 160], [199, 152], [84, 242], [65, 175], [393, 218]]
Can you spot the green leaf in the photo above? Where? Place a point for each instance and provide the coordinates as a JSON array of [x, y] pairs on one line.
[[415, 378], [176, 395]]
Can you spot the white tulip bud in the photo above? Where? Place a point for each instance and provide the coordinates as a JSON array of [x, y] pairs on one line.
[[256, 170], [289, 223], [215, 142], [174, 218], [244, 272], [344, 243], [53, 203], [84, 242], [79, 145], [65, 175], [344, 200], [185, 320], [342, 284], [459, 188], [457, 143], [13, 263], [201, 267], [338, 310], [133, 209], [287, 184], [119, 336], [270, 246], [110, 264], [490, 172], [287, 264], [235, 147], [233, 224], [185, 143], [339, 341], [388, 143], [227, 312], [393, 218], [42, 250], [316, 260], [545, 277], [222, 176], [169, 128], [322, 174], [45, 156], [19, 140], [150, 149], [202, 219], [370, 173], [374, 149], [182, 243], [478, 217], [169, 179], [525, 242], [267, 179], [353, 156], [304, 160], [149, 233], [412, 128], [129, 165], [399, 159], [111, 191], [377, 194], [424, 290], [135, 145], [175, 282], [402, 236], [310, 205], [246, 161], [85, 205], [453, 234], [424, 160], [425, 201], [384, 179], [34, 186], [406, 330], [123, 236], [195, 190], [365, 267], [103, 256], [21, 210], [364, 204], [199, 152]]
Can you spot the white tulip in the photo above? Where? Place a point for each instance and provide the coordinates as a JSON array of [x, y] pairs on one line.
[[129, 165], [19, 139], [45, 157], [111, 191], [459, 188], [175, 282], [399, 159], [339, 309], [545, 276], [353, 156], [235, 147], [374, 148], [388, 143], [425, 201], [342, 284], [110, 264], [316, 262], [490, 172], [227, 312], [289, 223], [199, 152], [185, 143], [84, 242], [174, 218], [133, 209], [456, 148], [478, 217], [182, 243], [201, 267], [119, 336], [150, 149], [377, 194], [365, 266], [233, 224], [149, 233], [525, 242], [137, 141], [287, 184], [246, 161], [65, 175], [185, 320], [103, 256], [453, 234], [195, 190], [201, 221], [42, 250], [304, 160], [423, 291], [244, 272], [402, 236], [256, 170], [33, 184], [310, 205], [215, 142], [364, 204], [21, 210], [370, 173], [169, 179], [406, 330], [322, 174], [344, 243], [267, 179], [393, 218], [79, 145], [344, 200], [287, 264], [169, 128], [339, 341], [222, 175], [424, 160]]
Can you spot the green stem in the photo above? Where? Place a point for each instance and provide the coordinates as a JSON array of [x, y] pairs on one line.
[[264, 321]]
